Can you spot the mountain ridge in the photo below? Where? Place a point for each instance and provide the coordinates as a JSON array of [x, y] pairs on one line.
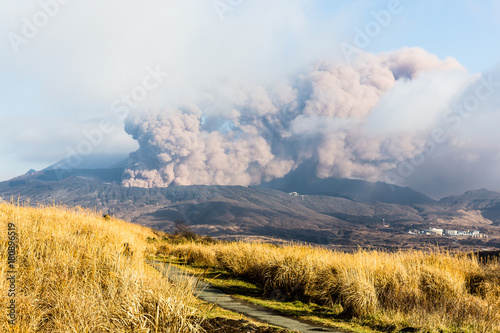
[[242, 212], [304, 181]]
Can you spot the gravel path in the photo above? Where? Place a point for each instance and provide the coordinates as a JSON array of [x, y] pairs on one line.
[[210, 294]]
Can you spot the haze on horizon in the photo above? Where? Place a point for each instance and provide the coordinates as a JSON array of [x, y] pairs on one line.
[[238, 91]]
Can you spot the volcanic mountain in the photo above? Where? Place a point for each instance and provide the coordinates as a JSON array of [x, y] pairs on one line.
[[340, 213]]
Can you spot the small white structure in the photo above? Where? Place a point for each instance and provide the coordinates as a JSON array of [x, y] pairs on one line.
[[451, 232], [433, 231], [294, 194]]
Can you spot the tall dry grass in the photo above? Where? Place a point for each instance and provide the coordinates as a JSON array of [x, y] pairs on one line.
[[78, 272], [433, 291]]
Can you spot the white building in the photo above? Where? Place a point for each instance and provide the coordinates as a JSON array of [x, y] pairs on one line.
[[435, 231]]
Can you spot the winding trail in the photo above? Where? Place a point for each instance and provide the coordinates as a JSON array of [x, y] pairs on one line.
[[210, 294]]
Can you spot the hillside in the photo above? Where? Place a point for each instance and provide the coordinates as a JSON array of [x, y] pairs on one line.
[[78, 272], [234, 212], [483, 200], [304, 181]]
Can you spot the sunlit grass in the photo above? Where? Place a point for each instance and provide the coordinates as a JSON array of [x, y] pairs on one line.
[[431, 291], [79, 272]]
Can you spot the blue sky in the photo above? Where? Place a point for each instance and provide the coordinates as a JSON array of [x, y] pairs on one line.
[[465, 30], [65, 79]]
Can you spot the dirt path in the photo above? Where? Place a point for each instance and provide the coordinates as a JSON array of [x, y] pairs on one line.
[[210, 294]]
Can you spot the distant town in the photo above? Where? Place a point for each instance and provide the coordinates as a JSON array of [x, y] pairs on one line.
[[446, 232]]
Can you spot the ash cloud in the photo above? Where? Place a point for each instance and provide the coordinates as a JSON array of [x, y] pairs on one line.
[[469, 158], [328, 116]]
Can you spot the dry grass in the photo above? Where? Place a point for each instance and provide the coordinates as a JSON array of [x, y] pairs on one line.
[[431, 291], [79, 272]]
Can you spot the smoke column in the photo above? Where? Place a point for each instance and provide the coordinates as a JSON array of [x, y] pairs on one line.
[[253, 133]]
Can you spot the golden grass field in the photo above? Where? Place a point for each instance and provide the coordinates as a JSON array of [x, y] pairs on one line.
[[429, 291], [78, 272]]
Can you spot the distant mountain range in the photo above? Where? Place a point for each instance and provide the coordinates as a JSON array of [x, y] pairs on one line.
[[340, 213]]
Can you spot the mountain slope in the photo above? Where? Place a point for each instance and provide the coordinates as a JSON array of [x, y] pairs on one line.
[[214, 210], [236, 211], [304, 181], [483, 200]]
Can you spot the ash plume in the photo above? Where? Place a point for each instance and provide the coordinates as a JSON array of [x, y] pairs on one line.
[[247, 134]]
